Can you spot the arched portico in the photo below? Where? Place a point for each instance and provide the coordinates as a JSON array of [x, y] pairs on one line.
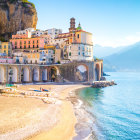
[[13, 75], [101, 69], [2, 74], [25, 75], [36, 75], [53, 73], [44, 75], [82, 73], [97, 72]]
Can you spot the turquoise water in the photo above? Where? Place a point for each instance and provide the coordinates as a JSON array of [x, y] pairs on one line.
[[116, 109]]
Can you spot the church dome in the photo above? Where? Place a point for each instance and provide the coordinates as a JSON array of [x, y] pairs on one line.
[[79, 27]]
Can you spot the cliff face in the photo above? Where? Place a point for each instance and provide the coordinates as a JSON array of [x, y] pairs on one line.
[[16, 15]]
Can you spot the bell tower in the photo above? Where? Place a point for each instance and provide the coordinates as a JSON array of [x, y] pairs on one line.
[[72, 24]]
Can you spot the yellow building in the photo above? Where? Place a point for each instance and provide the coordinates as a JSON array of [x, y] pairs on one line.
[[31, 57], [6, 47]]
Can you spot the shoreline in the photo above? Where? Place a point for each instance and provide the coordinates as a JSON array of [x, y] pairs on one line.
[[83, 127], [55, 127]]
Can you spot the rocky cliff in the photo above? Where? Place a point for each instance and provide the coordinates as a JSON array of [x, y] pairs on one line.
[[16, 15]]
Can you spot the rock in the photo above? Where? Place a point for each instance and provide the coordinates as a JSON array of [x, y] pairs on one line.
[[101, 84], [16, 15]]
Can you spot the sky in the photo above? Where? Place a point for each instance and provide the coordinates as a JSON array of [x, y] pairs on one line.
[[113, 23]]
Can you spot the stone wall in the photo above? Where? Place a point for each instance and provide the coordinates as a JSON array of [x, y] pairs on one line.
[[64, 72]]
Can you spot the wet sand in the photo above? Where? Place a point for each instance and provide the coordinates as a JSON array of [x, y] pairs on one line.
[[32, 119]]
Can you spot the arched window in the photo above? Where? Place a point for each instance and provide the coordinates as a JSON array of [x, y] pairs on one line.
[[78, 36]]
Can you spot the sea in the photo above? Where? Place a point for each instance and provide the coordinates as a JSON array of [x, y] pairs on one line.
[[115, 109]]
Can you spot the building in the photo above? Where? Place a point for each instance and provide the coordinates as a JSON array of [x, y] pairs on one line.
[[53, 31], [47, 56], [38, 55], [24, 41], [5, 48], [22, 32], [37, 33]]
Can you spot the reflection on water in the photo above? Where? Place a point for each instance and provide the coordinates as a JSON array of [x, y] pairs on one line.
[[92, 95], [117, 108]]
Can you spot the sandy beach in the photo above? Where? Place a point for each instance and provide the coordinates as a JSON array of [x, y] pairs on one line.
[[32, 119]]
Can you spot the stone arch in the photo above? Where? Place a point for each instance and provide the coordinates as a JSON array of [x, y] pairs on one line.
[[82, 73], [2, 75], [25, 74], [13, 75], [36, 75], [97, 72], [101, 69], [53, 73], [44, 74]]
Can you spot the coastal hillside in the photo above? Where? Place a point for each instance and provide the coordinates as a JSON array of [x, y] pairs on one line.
[[16, 15], [100, 51], [127, 59]]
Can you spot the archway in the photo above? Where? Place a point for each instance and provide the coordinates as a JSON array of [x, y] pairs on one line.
[[53, 73], [82, 73], [35, 74], [44, 75], [13, 75], [102, 69], [97, 72], [25, 75], [2, 78]]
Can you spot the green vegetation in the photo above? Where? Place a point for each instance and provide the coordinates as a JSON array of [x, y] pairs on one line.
[[27, 2], [2, 39], [58, 62], [24, 2]]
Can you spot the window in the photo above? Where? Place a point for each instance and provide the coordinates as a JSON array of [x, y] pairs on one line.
[[20, 47], [78, 36], [4, 46], [70, 54], [15, 43], [79, 53], [29, 46], [9, 53], [0, 46], [24, 46], [37, 46], [33, 46], [20, 43], [8, 46], [83, 54], [33, 42], [15, 47], [37, 41], [79, 47], [4, 51], [24, 42], [29, 42]]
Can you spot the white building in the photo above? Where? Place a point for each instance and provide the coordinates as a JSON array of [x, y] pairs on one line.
[[37, 33], [22, 32], [53, 31]]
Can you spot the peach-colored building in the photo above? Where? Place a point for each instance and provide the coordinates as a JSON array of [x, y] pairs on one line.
[[24, 41]]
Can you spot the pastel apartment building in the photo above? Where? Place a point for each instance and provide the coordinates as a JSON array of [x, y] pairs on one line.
[[5, 48], [25, 41]]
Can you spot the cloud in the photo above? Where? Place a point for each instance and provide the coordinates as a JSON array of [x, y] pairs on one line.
[[127, 40]]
